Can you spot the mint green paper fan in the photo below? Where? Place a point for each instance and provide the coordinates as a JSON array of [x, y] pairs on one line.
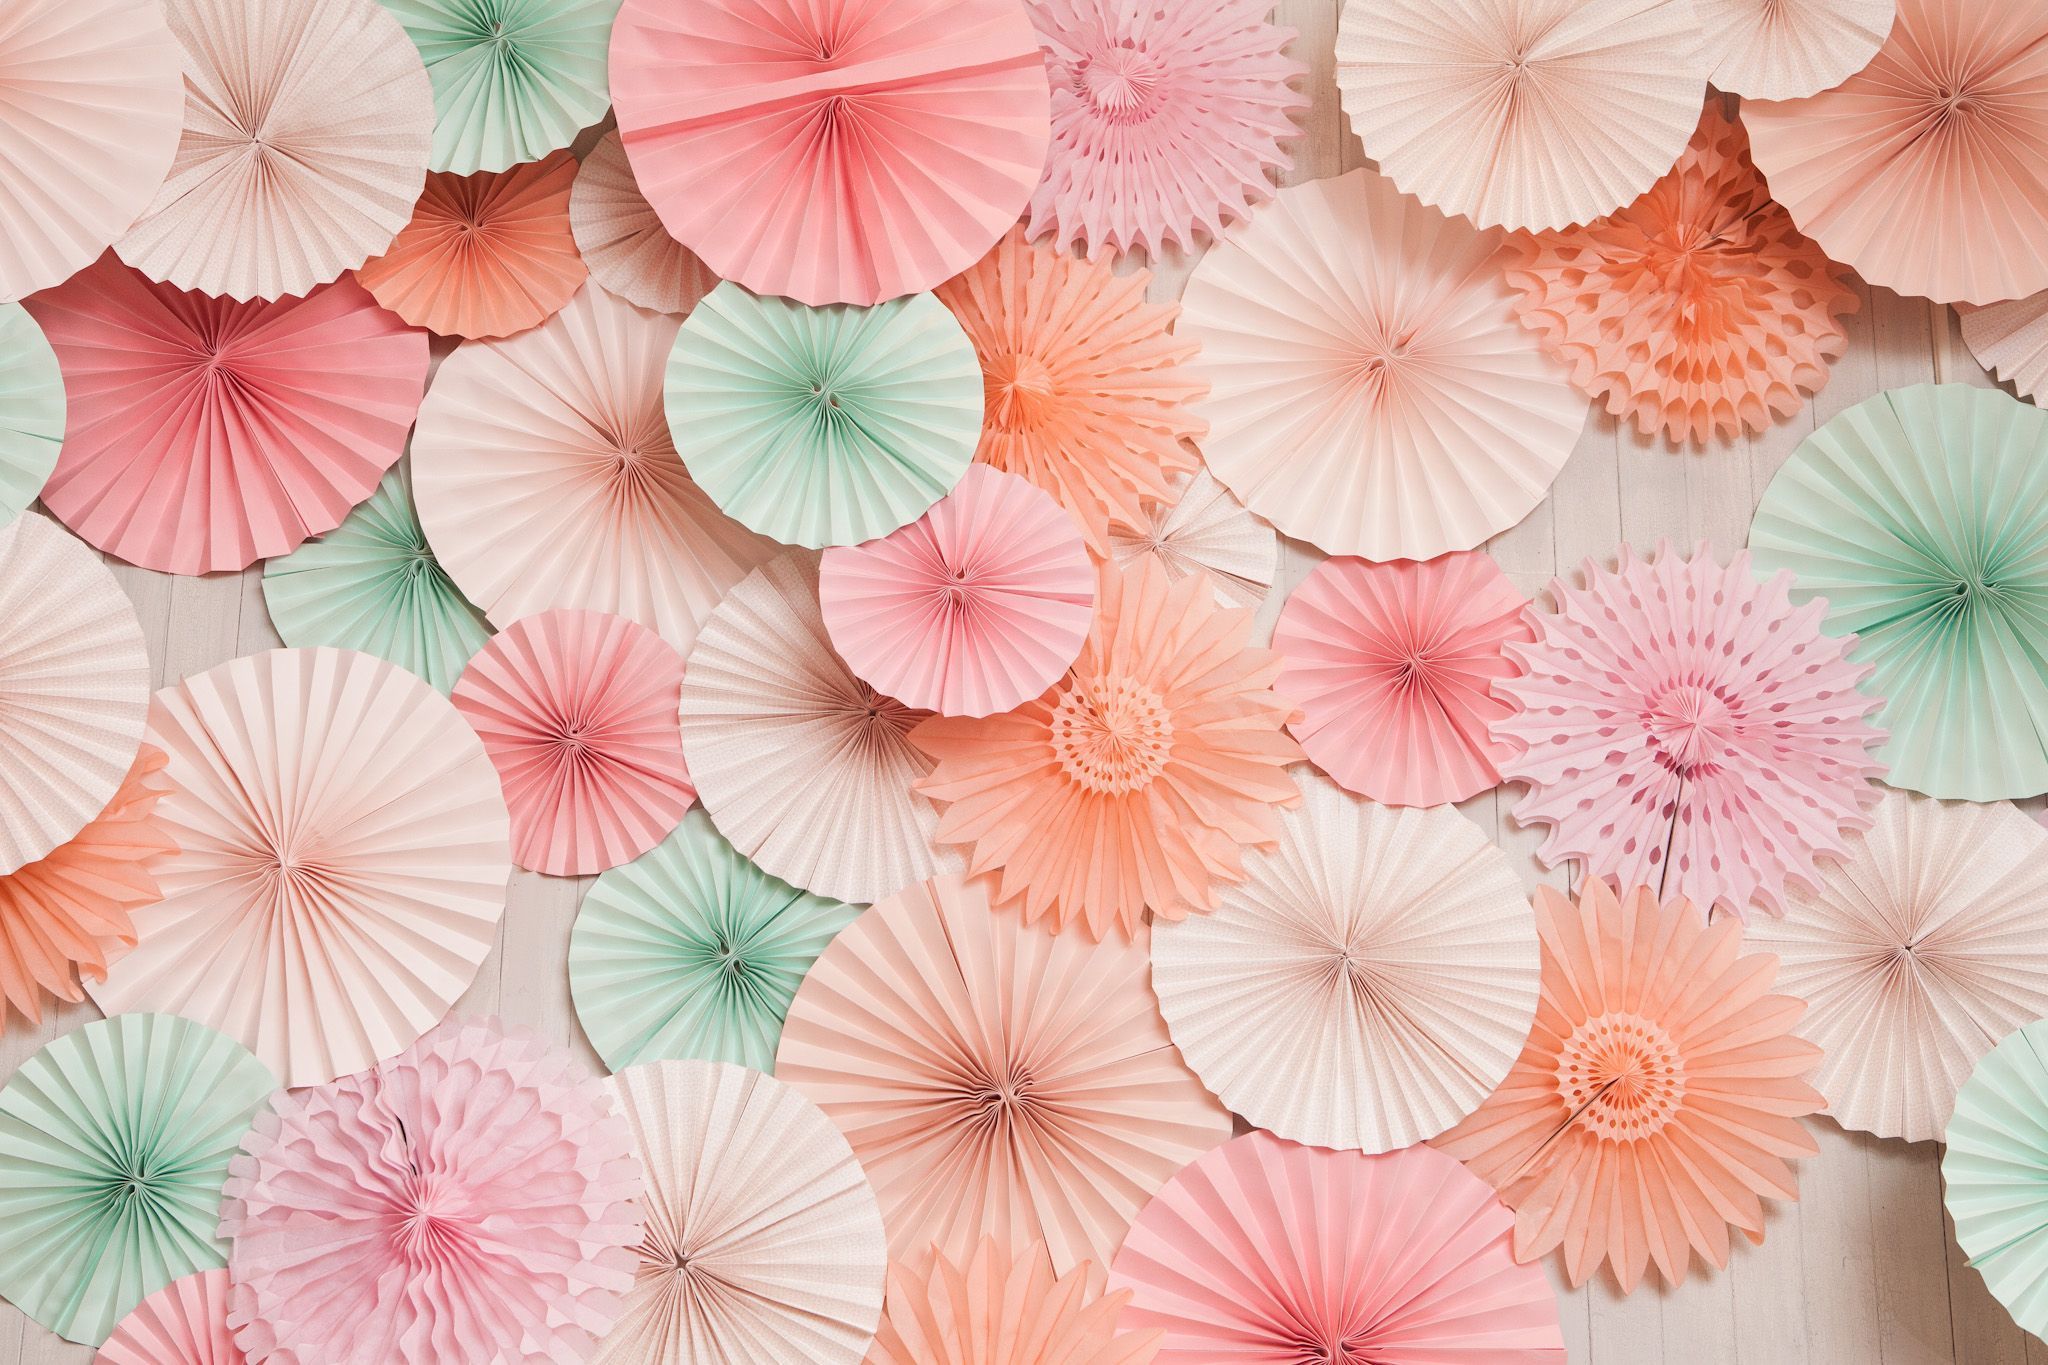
[[823, 426], [690, 952], [513, 79], [1995, 1173], [114, 1144], [372, 584], [1921, 516], [31, 410]]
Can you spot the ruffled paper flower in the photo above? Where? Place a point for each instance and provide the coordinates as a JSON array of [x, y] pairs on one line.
[[1003, 1307]]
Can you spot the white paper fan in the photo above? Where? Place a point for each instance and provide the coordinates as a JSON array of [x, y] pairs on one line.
[[1788, 49], [1204, 530]]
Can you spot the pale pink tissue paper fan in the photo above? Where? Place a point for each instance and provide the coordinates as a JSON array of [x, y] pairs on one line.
[[1785, 49], [2011, 340], [1203, 529], [184, 1323], [622, 240]]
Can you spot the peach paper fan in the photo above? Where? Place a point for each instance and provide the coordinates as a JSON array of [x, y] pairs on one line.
[[2010, 339], [184, 1323], [1201, 528], [1003, 1307], [1787, 49], [622, 240]]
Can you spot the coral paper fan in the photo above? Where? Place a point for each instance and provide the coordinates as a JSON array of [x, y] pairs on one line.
[[1698, 310], [1263, 1249], [469, 1199], [1950, 116], [184, 1323], [1166, 120], [206, 434], [1682, 725], [622, 240], [1370, 389], [577, 710], [1995, 1174], [1201, 528], [1085, 389], [485, 255], [341, 866], [31, 410], [2011, 340], [980, 1101], [1393, 666], [1003, 1307], [1787, 49], [977, 606], [832, 152]]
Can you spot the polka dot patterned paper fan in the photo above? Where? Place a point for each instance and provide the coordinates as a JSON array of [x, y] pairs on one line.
[[31, 410], [2010, 339], [184, 1323], [622, 240], [1201, 528], [1788, 49]]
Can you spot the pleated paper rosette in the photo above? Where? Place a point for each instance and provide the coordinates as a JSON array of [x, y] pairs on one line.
[[763, 1242], [622, 240], [833, 152], [1370, 389], [341, 865], [206, 434], [1262, 1245], [1004, 1307], [114, 1143], [184, 1323], [977, 606], [1201, 528], [2010, 339], [31, 410], [1920, 519], [1994, 1174], [1788, 49]]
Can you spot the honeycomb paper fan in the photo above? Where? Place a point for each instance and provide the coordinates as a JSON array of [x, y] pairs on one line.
[[977, 606], [1994, 1174], [1788, 49], [31, 411], [1201, 528], [1003, 1307], [577, 710], [1920, 518], [1916, 953], [206, 434], [1393, 666], [184, 1323], [1522, 113], [692, 952], [1950, 117], [834, 152], [545, 477], [114, 1143], [982, 1101], [1262, 1245], [305, 143], [2011, 340], [484, 255], [92, 98], [1370, 389], [341, 867], [622, 240], [823, 426], [805, 768], [1167, 120]]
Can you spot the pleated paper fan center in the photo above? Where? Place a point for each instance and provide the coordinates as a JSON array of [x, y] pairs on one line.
[[1112, 735], [1019, 391], [1122, 83], [1691, 728], [1620, 1075], [428, 1228]]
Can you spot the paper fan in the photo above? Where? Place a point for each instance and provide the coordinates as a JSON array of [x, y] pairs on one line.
[[1683, 726], [1393, 665], [546, 478], [31, 411], [763, 1244], [74, 688], [92, 98], [1698, 310], [1919, 950], [1951, 115], [692, 952], [995, 1079], [513, 79], [114, 1141], [1003, 1307], [1787, 49], [1370, 389], [823, 426], [1267, 1253], [485, 255], [1201, 528], [373, 584], [470, 1199], [2011, 340], [577, 710], [837, 152], [1167, 120], [1995, 1174], [808, 770], [977, 606], [1085, 388], [341, 866], [184, 1323], [622, 240], [1921, 517], [1522, 113], [206, 434]]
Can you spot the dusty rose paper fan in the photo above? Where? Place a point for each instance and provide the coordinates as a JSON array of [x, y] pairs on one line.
[[1201, 528], [622, 240], [1786, 49], [184, 1323], [2010, 339]]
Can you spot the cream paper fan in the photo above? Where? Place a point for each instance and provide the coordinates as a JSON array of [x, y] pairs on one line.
[[1204, 530], [1787, 49]]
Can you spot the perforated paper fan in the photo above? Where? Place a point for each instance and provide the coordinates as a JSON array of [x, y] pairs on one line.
[[622, 240], [1370, 389], [184, 1323], [546, 478], [31, 411], [206, 434], [977, 606], [1003, 1307], [834, 151], [341, 866], [1522, 113], [823, 426], [1994, 1174], [2011, 340], [1786, 49], [1201, 528]]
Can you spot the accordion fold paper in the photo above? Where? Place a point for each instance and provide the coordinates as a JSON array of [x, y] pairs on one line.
[[2010, 339], [31, 410], [1787, 49], [622, 240], [1994, 1174], [184, 1323], [1002, 1307], [1200, 528]]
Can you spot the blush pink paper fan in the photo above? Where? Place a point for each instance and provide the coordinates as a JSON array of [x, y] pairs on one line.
[[184, 1323], [577, 710], [843, 151], [1787, 49], [623, 241], [1004, 1307], [2010, 339], [977, 606], [206, 434]]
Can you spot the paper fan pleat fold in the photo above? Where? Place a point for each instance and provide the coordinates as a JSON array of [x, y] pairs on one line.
[[1200, 528], [2011, 340], [1788, 49], [1994, 1174], [31, 410], [184, 1323], [623, 241], [1004, 1307]]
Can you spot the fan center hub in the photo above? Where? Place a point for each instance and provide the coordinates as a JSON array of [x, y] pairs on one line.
[[1112, 735], [1623, 1075]]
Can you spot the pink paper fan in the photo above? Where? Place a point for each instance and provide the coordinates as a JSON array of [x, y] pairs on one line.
[[622, 240], [1392, 666], [184, 1323], [206, 434], [832, 151], [577, 710], [2011, 340], [977, 606]]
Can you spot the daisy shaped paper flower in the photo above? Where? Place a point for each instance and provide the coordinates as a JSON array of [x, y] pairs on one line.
[[1002, 1307]]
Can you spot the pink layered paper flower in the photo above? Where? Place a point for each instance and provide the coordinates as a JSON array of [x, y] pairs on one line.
[[184, 1323]]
